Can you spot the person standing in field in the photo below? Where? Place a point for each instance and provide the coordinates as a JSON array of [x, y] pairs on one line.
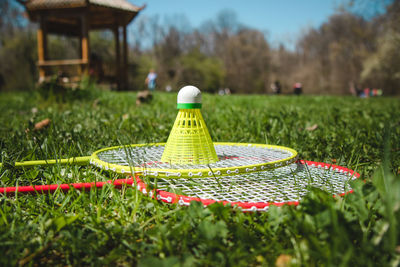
[[151, 80], [276, 87], [297, 88]]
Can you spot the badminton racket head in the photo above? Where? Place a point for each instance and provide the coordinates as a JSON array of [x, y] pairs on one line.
[[234, 158], [253, 191]]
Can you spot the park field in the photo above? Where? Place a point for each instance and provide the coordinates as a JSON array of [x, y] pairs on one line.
[[123, 227]]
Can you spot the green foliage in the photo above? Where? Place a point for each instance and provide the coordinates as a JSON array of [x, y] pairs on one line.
[[62, 47], [102, 48], [122, 227], [202, 71], [18, 69]]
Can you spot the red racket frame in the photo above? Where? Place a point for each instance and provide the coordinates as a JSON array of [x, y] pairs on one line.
[[165, 196], [46, 189], [183, 200]]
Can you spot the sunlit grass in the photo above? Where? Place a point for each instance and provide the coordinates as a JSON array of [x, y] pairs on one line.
[[123, 227]]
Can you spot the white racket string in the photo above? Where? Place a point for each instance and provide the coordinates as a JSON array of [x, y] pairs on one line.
[[231, 159], [286, 184]]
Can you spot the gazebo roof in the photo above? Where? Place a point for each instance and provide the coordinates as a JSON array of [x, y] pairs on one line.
[[55, 4], [101, 13]]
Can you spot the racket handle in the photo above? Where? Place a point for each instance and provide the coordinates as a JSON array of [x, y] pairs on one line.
[[45, 189], [72, 161]]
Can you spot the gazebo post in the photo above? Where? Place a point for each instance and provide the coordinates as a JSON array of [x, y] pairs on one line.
[[42, 47], [118, 57], [125, 59], [84, 44]]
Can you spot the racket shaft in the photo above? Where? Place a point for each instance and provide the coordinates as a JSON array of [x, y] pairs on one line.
[[72, 161]]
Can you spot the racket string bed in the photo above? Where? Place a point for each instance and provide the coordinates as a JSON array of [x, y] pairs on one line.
[[288, 184], [233, 159]]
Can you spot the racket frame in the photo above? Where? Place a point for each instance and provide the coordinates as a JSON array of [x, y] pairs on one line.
[[183, 200], [196, 172], [170, 172]]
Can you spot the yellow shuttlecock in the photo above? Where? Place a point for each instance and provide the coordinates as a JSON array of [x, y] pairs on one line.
[[189, 141]]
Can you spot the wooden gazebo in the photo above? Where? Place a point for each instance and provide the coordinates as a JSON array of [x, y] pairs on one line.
[[77, 18]]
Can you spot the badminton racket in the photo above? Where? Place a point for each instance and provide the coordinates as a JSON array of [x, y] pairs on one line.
[[144, 159], [254, 191]]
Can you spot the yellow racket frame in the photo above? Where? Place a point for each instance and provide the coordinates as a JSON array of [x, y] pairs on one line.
[[191, 173], [169, 173]]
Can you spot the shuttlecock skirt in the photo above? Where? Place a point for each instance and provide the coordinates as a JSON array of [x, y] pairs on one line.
[[189, 141]]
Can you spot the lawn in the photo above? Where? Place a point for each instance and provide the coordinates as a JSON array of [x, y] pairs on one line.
[[122, 227]]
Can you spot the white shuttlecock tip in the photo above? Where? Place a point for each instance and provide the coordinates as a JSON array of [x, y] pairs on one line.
[[189, 97]]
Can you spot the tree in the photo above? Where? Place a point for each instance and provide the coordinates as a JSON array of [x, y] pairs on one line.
[[247, 62], [381, 69], [332, 55]]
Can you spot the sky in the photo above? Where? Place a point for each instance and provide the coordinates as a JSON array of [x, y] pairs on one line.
[[282, 21]]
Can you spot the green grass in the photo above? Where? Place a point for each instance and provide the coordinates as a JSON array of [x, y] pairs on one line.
[[123, 227]]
